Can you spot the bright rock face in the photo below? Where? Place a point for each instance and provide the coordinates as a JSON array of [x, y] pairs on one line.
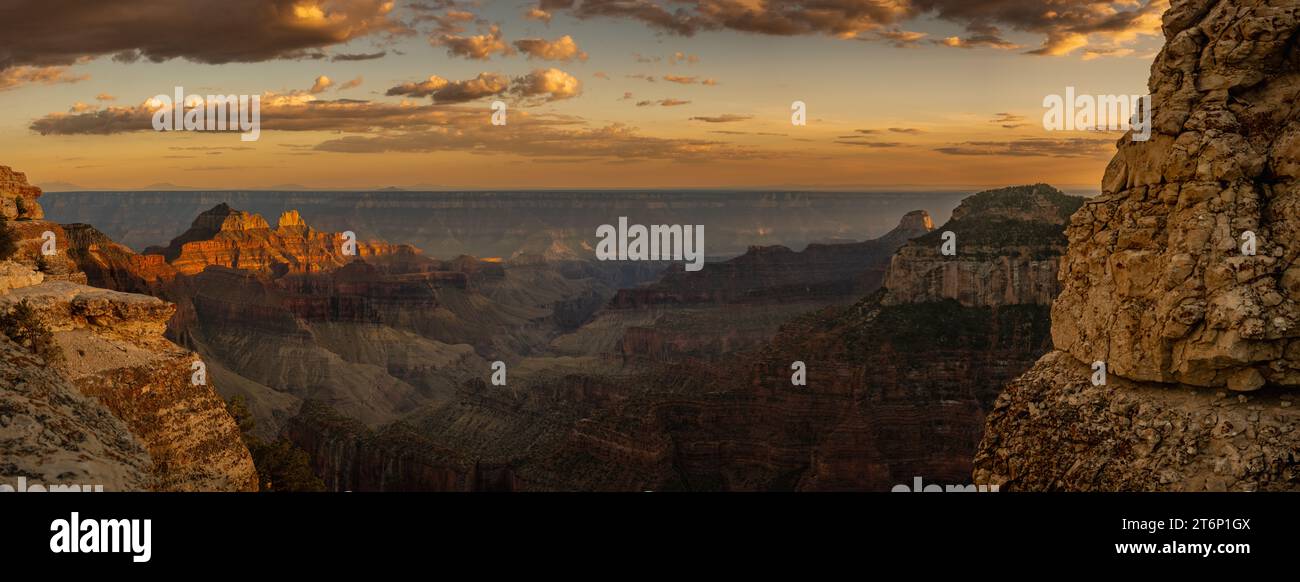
[[236, 239], [1156, 283], [17, 197], [1200, 337]]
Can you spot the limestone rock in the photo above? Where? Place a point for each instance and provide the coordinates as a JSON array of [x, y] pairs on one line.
[[1156, 282], [52, 434]]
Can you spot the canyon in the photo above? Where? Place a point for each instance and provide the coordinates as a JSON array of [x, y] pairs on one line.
[[894, 390], [622, 375]]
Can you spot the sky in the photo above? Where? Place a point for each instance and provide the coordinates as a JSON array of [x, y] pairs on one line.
[[628, 94]]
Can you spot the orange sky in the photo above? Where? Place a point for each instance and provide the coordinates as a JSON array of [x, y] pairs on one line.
[[372, 93]]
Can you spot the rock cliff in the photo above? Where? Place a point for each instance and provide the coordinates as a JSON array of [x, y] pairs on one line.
[[1181, 277], [1006, 251]]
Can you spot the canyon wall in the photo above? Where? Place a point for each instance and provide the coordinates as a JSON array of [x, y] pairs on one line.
[[109, 345]]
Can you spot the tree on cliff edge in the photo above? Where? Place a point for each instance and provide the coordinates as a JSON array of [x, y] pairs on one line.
[[281, 465], [8, 246]]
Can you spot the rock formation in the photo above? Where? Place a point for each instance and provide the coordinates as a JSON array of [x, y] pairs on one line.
[[240, 240], [109, 347], [776, 273], [1007, 248], [1181, 277], [17, 197]]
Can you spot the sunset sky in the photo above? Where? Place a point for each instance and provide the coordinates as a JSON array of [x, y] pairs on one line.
[[601, 93]]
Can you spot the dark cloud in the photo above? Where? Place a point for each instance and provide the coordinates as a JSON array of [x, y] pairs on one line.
[[359, 56], [444, 91], [1065, 25], [62, 32]]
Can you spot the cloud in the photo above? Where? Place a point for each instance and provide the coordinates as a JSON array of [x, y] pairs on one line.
[[105, 97], [535, 13], [484, 85], [62, 32], [358, 56], [681, 57], [444, 91], [560, 49], [871, 144], [322, 83], [906, 130], [537, 139], [424, 88], [480, 46], [15, 77], [1064, 25], [896, 36], [80, 107], [662, 103], [352, 84], [1077, 147], [451, 22], [601, 75], [540, 85], [547, 84], [684, 80], [296, 111], [724, 118], [1008, 120], [981, 35]]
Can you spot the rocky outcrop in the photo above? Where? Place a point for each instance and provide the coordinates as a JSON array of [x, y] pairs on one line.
[[1006, 251], [53, 435], [17, 197], [1156, 282], [113, 350], [236, 239], [1161, 286]]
